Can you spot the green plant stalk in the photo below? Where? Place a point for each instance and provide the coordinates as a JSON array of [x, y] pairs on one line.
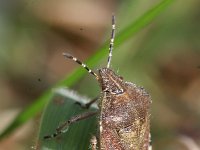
[[73, 78]]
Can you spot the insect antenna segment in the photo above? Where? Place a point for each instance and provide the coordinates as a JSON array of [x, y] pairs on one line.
[[68, 56], [111, 41]]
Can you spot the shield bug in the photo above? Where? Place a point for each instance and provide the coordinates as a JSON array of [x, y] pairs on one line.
[[124, 119]]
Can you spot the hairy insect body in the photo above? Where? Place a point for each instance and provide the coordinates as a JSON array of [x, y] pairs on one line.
[[124, 116]]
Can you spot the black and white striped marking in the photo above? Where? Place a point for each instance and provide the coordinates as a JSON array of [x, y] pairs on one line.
[[80, 63], [111, 41]]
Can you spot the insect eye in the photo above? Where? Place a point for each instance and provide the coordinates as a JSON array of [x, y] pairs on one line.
[[117, 91], [121, 77]]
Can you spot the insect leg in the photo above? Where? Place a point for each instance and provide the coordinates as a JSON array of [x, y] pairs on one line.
[[150, 142], [87, 105], [64, 127], [93, 143]]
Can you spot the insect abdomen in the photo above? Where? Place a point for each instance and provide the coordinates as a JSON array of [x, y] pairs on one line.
[[124, 121]]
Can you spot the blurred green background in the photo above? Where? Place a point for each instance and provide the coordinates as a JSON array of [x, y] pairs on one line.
[[163, 58]]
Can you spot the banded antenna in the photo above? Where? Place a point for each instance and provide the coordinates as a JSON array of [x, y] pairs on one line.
[[111, 41], [68, 56]]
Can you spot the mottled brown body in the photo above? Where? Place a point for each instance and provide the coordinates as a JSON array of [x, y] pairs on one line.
[[124, 114]]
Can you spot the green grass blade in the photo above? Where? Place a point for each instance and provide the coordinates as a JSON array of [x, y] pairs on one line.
[[125, 34]]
